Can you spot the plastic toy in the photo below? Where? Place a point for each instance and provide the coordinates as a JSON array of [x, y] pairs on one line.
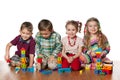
[[17, 69], [38, 64], [8, 61], [62, 70], [30, 69], [46, 72], [59, 61], [100, 67], [81, 71], [23, 60]]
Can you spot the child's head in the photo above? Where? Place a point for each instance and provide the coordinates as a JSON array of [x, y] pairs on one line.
[[26, 30], [72, 27], [92, 26], [45, 27]]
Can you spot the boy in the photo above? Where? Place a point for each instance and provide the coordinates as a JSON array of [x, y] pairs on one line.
[[48, 44], [24, 40]]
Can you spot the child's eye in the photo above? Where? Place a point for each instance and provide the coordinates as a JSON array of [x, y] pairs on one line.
[[73, 29], [68, 29]]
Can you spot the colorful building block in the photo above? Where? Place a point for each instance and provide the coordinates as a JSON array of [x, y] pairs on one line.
[[62, 70]]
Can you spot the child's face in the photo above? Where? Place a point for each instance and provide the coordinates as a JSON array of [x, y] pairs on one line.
[[71, 30], [25, 34], [92, 27], [46, 33]]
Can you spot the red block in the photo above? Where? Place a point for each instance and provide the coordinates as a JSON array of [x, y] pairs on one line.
[[39, 60], [8, 61]]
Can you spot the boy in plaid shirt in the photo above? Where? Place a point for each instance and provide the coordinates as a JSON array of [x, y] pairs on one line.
[[48, 44]]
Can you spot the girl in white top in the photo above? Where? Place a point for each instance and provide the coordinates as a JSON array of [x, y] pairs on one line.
[[72, 46]]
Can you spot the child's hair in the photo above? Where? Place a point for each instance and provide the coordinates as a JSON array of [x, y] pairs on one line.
[[27, 25], [77, 24], [101, 37], [45, 25]]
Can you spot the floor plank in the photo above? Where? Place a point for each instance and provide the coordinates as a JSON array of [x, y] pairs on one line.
[[8, 73]]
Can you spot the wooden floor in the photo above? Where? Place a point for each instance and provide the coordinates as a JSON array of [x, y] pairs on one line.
[[7, 73]]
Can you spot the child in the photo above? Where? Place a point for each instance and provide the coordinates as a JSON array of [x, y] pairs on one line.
[[24, 40], [48, 44], [72, 45], [94, 39]]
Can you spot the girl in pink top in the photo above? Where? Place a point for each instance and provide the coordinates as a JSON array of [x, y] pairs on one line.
[[72, 45]]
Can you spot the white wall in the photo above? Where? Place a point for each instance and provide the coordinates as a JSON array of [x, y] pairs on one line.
[[14, 12]]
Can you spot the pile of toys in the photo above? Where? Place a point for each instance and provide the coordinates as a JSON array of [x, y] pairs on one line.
[[23, 65]]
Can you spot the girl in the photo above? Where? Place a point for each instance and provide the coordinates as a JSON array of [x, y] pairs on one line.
[[94, 39], [72, 46]]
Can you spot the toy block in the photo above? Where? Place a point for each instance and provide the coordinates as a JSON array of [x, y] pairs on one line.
[[96, 71], [22, 52], [107, 66], [17, 69], [62, 70], [87, 66], [8, 61], [98, 55], [46, 72], [22, 55], [30, 69], [24, 69], [39, 60], [81, 71], [98, 63], [107, 71], [59, 58], [59, 55], [98, 50], [67, 69], [59, 62], [59, 66], [98, 60], [23, 65], [98, 67], [101, 72]]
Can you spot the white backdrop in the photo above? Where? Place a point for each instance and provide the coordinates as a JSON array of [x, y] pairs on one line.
[[13, 13]]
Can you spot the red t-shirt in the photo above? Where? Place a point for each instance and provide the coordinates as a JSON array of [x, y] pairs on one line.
[[28, 45]]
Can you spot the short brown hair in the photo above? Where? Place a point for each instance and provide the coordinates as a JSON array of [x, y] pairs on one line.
[[45, 24], [27, 25]]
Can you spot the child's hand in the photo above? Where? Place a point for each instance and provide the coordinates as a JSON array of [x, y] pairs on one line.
[[103, 54], [40, 55], [93, 53], [7, 57], [51, 57], [70, 59]]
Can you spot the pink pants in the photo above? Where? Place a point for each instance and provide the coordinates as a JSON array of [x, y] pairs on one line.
[[75, 65]]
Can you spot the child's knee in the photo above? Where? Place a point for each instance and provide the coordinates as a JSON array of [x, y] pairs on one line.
[[52, 64]]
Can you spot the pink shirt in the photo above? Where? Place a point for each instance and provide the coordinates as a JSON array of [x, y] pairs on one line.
[[72, 49]]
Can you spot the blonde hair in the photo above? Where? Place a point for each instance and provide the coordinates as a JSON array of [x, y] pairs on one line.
[[100, 36]]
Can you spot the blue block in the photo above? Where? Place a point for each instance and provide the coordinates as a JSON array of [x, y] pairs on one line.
[[98, 50], [59, 66], [96, 71], [62, 70], [24, 69], [98, 60], [30, 69], [46, 72]]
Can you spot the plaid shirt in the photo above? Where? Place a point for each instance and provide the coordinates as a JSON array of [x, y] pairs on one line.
[[49, 46]]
